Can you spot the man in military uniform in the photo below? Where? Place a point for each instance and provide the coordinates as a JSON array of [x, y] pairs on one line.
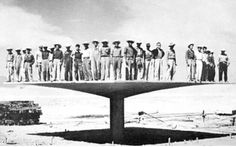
[[152, 67], [18, 62], [211, 75], [148, 58], [140, 60], [50, 70], [22, 71], [95, 61], [204, 64], [68, 62], [10, 66], [223, 64], [116, 54], [57, 62], [158, 66], [38, 65], [78, 68], [199, 63], [105, 52], [86, 54], [129, 55], [45, 63], [190, 61], [28, 64], [171, 62]]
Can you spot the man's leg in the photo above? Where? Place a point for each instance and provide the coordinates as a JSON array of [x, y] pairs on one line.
[[225, 73], [107, 70], [220, 72], [115, 66]]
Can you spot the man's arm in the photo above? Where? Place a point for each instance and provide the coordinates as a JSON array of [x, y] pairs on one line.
[[33, 60], [186, 57], [227, 59]]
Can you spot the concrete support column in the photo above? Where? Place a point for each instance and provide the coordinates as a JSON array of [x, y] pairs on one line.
[[117, 119]]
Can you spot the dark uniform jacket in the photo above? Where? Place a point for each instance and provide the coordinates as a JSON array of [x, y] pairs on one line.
[[189, 55], [29, 58]]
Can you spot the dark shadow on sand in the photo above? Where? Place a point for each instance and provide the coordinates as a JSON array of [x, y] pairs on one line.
[[133, 136]]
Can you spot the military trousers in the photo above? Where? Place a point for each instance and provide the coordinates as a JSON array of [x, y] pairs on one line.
[[96, 67], [204, 71], [50, 70], [22, 72], [39, 70], [18, 71], [191, 69], [57, 70], [140, 68], [28, 72], [105, 68], [199, 66], [10, 72], [68, 71], [117, 63], [130, 68], [223, 70], [171, 69], [147, 69], [211, 74], [158, 65], [45, 69], [87, 69], [78, 70]]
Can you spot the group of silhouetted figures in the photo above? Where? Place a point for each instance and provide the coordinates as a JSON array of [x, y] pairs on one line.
[[103, 62]]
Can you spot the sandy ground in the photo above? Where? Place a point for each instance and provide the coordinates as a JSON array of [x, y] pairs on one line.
[[178, 109]]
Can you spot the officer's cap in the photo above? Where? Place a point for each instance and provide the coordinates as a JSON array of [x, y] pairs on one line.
[[116, 42], [104, 41], [171, 44], [190, 45], [57, 45], [28, 49], [95, 41], [223, 50], [9, 49], [208, 52], [86, 44], [18, 50], [148, 44], [130, 41], [158, 43]]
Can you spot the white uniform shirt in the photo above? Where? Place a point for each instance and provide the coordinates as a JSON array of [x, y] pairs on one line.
[[86, 53], [204, 57], [199, 55], [223, 58], [50, 57], [38, 56]]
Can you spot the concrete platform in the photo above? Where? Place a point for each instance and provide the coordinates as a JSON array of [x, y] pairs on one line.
[[116, 92]]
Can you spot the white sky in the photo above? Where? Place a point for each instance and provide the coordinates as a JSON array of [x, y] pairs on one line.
[[29, 23]]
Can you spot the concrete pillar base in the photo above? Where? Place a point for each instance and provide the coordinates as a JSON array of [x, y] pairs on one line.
[[117, 119]]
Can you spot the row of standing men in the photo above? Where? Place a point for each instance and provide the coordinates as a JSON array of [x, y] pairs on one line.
[[201, 64], [92, 63], [97, 63]]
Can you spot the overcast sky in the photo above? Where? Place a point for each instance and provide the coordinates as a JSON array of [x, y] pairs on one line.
[[30, 23]]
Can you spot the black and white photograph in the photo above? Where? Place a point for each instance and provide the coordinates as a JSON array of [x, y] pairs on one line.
[[117, 73]]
